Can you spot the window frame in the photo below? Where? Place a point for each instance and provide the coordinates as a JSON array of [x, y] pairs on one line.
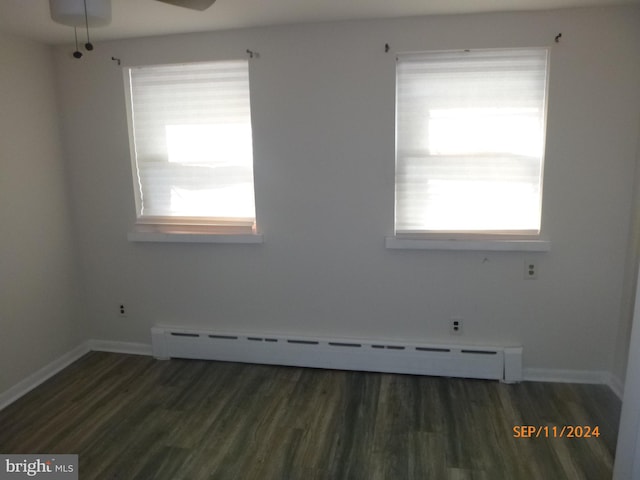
[[519, 240], [190, 229]]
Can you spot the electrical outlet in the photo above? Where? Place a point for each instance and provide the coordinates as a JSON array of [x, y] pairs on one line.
[[530, 270], [122, 312], [456, 326]]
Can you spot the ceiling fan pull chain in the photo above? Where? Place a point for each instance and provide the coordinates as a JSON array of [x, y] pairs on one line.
[[77, 53], [88, 45]]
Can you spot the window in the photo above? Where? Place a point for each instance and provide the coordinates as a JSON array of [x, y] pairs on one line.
[[191, 144], [470, 143]]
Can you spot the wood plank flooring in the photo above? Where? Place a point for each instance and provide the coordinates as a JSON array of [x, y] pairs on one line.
[[133, 417]]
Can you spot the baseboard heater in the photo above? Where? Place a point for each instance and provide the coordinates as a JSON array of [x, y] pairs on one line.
[[465, 361]]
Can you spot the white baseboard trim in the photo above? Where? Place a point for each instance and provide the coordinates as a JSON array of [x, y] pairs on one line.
[[45, 373], [40, 376], [131, 348], [615, 384], [599, 377], [565, 376]]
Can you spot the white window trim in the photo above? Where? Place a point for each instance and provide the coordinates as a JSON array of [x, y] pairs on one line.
[[173, 237], [176, 233], [178, 229], [402, 243], [475, 241]]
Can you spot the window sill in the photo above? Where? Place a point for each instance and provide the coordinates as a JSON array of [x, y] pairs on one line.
[[184, 237], [399, 243]]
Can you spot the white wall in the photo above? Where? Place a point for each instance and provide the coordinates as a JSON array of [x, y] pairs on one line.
[[39, 298], [323, 112], [627, 464], [630, 280]]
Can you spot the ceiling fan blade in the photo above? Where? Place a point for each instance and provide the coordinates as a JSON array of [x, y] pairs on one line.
[[192, 4]]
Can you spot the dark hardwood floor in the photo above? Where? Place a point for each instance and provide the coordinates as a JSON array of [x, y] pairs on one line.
[[132, 417]]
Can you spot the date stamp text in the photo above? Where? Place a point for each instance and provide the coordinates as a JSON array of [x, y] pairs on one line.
[[556, 431]]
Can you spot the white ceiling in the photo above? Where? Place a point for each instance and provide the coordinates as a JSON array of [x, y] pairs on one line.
[[139, 18]]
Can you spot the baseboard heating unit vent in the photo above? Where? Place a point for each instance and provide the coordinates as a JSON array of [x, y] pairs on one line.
[[497, 363]]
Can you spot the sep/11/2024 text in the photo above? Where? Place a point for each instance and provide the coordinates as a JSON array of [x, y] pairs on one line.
[[554, 431]]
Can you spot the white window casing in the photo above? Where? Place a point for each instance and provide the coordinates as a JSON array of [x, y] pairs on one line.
[[470, 138], [191, 147]]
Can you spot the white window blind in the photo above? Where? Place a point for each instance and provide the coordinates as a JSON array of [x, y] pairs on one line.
[[470, 130], [192, 144]]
